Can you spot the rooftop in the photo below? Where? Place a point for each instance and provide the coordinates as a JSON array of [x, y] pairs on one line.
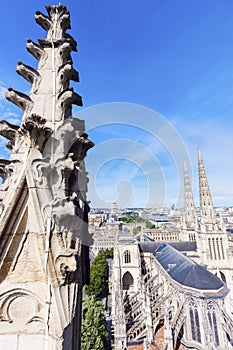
[[150, 246], [185, 271]]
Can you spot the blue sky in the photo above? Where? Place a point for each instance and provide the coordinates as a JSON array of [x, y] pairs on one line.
[[157, 82]]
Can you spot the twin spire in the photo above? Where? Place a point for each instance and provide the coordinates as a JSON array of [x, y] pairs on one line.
[[207, 212]]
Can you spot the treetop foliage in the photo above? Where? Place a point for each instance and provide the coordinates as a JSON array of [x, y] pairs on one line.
[[94, 328], [136, 219], [98, 277]]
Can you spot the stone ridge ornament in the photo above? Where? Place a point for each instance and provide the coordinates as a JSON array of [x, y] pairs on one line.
[[44, 239]]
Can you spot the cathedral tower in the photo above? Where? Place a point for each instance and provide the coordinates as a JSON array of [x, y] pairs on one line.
[[208, 217], [213, 240], [190, 216], [44, 236]]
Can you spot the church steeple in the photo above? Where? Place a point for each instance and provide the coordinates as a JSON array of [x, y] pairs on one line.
[[207, 212], [190, 215]]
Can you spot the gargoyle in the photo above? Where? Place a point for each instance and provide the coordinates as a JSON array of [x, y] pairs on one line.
[[7, 168]]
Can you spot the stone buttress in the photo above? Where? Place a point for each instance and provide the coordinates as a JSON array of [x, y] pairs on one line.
[[44, 239]]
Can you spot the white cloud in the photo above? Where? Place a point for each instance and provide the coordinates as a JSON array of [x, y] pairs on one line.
[[11, 117], [2, 92], [214, 137]]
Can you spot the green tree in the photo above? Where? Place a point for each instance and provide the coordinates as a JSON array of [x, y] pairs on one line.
[[108, 253], [98, 277], [136, 230], [128, 219], [149, 225], [94, 327]]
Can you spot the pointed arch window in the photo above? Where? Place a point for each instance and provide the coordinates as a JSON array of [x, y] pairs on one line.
[[194, 321], [127, 257], [211, 314], [127, 280]]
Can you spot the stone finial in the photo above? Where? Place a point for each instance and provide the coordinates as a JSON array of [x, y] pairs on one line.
[[56, 23]]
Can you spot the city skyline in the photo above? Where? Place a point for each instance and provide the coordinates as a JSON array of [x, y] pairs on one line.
[[173, 60]]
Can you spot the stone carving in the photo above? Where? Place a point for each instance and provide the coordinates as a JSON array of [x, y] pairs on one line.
[[19, 99], [65, 99], [63, 53], [37, 51], [80, 147], [6, 168], [45, 178], [71, 41], [9, 131], [35, 131], [63, 175], [62, 19], [66, 265], [67, 72], [20, 302], [30, 74]]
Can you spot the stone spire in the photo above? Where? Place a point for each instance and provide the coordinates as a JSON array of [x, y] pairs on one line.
[[207, 212], [50, 92], [44, 239], [190, 215]]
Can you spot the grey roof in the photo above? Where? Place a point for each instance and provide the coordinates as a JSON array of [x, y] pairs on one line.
[[159, 217], [186, 271], [150, 246]]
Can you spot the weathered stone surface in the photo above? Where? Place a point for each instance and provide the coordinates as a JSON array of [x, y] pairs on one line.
[[35, 132], [44, 235]]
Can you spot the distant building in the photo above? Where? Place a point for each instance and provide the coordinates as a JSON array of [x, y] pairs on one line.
[[172, 289], [163, 299], [114, 212], [102, 243], [161, 235]]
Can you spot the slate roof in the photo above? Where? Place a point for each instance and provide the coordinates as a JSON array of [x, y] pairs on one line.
[[186, 271], [149, 246]]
